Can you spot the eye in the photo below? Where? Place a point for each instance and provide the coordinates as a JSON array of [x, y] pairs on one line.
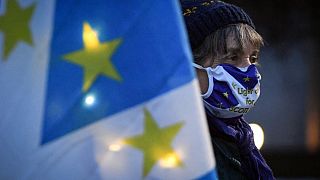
[[232, 57]]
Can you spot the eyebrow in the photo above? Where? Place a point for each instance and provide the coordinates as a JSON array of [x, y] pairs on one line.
[[234, 50], [239, 50]]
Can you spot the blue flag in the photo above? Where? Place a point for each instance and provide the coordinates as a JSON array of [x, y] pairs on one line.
[[99, 90], [134, 59]]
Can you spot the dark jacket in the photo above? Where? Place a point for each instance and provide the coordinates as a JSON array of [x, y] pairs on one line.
[[236, 155], [227, 160]]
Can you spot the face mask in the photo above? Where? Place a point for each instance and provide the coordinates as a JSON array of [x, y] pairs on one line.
[[232, 91]]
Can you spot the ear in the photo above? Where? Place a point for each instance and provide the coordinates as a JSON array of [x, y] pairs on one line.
[[203, 80]]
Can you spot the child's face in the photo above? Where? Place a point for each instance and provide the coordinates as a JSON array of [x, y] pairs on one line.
[[236, 56]]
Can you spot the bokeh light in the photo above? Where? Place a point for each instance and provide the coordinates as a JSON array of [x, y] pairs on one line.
[[89, 100], [258, 135]]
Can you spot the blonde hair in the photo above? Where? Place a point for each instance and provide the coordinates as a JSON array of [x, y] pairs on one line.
[[215, 45]]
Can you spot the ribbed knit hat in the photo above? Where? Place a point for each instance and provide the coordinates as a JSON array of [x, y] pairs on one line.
[[203, 17]]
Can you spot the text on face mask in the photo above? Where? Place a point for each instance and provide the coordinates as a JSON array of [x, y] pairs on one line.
[[239, 110], [245, 92]]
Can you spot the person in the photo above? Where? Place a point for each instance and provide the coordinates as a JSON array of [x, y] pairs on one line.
[[225, 47]]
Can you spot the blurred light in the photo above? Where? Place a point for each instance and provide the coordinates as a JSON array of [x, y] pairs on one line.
[[313, 131], [169, 161], [258, 135], [114, 147], [89, 100], [90, 37]]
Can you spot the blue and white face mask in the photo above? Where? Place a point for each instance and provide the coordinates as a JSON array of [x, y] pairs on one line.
[[232, 91]]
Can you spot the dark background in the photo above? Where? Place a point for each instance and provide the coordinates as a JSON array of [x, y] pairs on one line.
[[288, 109]]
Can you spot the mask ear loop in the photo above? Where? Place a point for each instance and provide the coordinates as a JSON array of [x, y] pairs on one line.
[[211, 84], [197, 66]]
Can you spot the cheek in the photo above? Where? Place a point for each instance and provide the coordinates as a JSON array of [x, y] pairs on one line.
[[228, 61], [207, 62], [215, 63]]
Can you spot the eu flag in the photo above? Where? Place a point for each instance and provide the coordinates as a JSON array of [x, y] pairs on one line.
[[118, 53], [100, 89]]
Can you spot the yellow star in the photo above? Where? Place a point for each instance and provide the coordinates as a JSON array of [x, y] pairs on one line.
[[246, 79], [226, 94], [15, 26], [155, 143], [95, 58]]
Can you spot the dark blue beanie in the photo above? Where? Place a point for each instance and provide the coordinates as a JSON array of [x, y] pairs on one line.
[[203, 17]]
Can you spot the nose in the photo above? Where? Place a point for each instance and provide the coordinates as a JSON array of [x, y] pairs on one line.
[[244, 62]]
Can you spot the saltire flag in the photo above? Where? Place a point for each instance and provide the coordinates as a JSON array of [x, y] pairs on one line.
[[99, 89]]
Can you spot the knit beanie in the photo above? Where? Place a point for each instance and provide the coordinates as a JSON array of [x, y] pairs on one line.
[[203, 17]]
